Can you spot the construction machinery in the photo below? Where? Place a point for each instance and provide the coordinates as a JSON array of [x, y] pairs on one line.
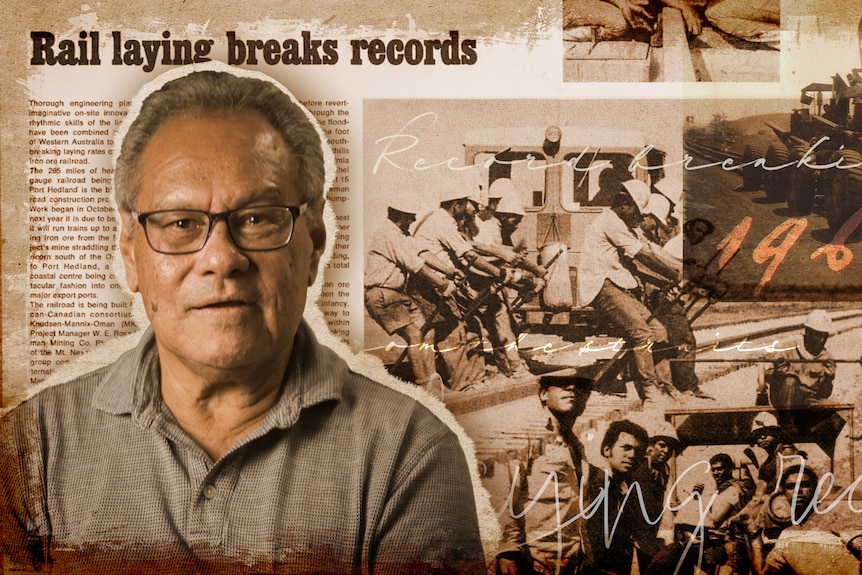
[[821, 153]]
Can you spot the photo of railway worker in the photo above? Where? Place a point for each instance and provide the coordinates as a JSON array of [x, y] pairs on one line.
[[652, 477], [790, 536], [608, 282], [786, 506], [773, 443], [755, 21], [801, 376], [611, 550], [732, 490], [229, 439], [455, 326], [393, 258], [659, 224], [549, 482], [522, 277]]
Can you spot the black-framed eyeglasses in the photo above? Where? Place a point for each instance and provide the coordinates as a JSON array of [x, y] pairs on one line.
[[256, 228]]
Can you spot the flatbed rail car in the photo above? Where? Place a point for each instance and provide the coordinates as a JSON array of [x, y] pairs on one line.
[[818, 425], [561, 173]]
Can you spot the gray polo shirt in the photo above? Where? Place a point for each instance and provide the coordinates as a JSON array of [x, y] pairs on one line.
[[343, 475]]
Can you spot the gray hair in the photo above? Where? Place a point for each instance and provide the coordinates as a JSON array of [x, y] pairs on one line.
[[222, 92]]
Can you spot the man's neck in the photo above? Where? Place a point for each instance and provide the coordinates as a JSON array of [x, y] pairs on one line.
[[218, 408]]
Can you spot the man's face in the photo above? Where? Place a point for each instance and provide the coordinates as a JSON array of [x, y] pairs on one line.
[[766, 441], [221, 308], [801, 484], [697, 232], [720, 472], [814, 341], [404, 222], [629, 213], [566, 400], [509, 222], [659, 451], [625, 455], [463, 209]]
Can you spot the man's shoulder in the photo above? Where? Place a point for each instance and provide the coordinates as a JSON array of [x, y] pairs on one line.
[[59, 407], [382, 405], [75, 392]]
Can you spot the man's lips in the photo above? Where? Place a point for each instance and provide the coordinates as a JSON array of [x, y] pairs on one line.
[[222, 304]]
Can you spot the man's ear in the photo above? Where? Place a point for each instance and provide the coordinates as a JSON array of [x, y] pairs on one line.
[[317, 231], [127, 249]]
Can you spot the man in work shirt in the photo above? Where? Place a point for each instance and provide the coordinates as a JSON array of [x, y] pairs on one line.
[[229, 440], [391, 259], [457, 335], [803, 375], [606, 282]]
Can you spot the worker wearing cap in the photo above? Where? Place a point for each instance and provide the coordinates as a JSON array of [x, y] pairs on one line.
[[606, 281], [392, 258], [458, 339], [543, 531], [803, 375]]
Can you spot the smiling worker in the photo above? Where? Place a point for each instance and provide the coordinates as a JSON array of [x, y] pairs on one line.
[[229, 439]]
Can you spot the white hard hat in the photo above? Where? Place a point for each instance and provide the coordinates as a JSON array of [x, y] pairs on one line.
[[819, 320], [510, 204], [459, 184], [666, 431], [639, 192], [403, 203], [671, 188], [501, 188], [763, 421], [659, 206]]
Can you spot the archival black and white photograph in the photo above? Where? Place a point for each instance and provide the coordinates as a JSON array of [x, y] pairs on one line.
[[639, 367], [671, 40], [780, 181]]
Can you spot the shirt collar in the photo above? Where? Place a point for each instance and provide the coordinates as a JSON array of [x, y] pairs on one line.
[[314, 375]]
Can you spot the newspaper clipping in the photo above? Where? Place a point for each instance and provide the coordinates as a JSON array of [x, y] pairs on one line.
[[612, 245]]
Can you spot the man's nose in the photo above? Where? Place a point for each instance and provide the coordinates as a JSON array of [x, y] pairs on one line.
[[220, 254]]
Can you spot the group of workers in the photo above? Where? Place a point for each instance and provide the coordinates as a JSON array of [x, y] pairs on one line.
[[447, 287], [449, 284], [568, 515]]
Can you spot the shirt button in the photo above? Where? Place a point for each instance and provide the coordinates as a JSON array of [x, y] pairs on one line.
[[210, 491]]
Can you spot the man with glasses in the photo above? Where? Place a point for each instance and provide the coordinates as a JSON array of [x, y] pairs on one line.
[[229, 440]]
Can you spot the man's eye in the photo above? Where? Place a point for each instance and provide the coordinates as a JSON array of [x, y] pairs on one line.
[[255, 219], [182, 224]]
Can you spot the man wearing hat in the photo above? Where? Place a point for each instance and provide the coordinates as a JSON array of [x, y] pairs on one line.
[[803, 375], [489, 242], [606, 281], [543, 531], [456, 336], [392, 258]]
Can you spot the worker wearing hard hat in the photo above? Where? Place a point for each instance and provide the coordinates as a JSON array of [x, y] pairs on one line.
[[495, 314], [391, 260], [803, 375], [605, 281], [459, 338]]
